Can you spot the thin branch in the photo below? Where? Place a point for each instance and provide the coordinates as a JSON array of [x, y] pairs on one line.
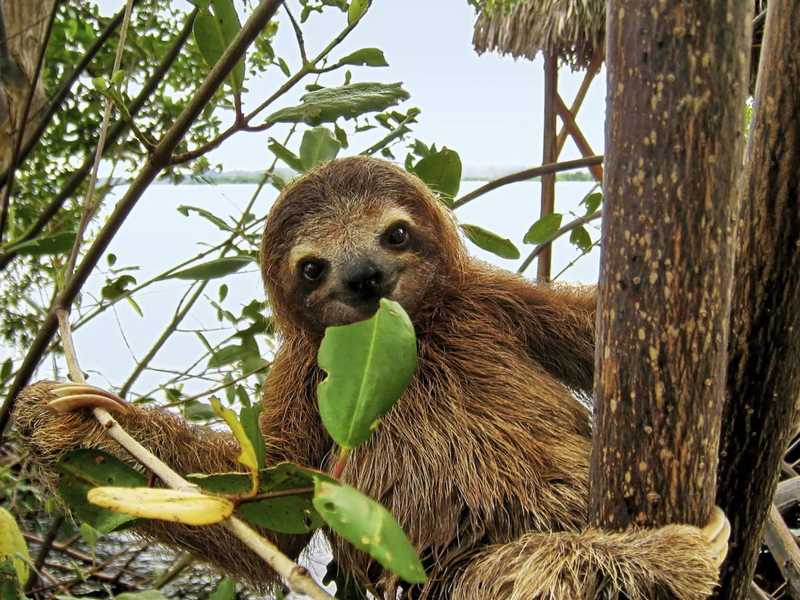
[[4, 205], [557, 167], [574, 224], [44, 550], [114, 134], [64, 89], [154, 165], [180, 314], [298, 33], [217, 388], [89, 207]]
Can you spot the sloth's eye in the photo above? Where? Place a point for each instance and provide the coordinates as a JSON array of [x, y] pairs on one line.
[[312, 270], [397, 236]]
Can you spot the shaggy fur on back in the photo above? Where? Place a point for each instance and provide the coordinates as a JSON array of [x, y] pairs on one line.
[[484, 460]]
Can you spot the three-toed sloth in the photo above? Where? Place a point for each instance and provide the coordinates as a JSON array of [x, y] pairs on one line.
[[484, 460]]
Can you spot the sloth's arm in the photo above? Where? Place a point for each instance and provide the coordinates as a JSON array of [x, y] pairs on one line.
[[186, 448], [566, 566], [557, 324]]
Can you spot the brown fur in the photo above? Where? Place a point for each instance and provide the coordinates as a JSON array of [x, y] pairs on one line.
[[484, 461]]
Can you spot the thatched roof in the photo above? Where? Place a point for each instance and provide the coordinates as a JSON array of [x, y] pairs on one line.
[[573, 29]]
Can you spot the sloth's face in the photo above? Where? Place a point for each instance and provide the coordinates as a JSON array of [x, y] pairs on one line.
[[342, 263]]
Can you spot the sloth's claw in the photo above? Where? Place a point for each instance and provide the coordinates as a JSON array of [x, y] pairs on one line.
[[717, 533], [74, 396]]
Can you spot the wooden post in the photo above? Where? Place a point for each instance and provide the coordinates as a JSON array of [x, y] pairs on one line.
[[568, 119], [549, 155]]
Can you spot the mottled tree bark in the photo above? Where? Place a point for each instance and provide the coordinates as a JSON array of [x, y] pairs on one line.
[[677, 76], [764, 367]]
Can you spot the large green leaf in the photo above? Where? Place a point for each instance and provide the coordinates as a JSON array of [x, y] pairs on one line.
[[581, 238], [213, 32], [225, 590], [356, 10], [543, 229], [58, 243], [213, 269], [441, 171], [368, 366], [349, 101], [369, 527], [491, 242], [319, 145], [85, 469]]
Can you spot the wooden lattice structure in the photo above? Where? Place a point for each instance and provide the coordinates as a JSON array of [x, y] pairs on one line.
[[565, 31]]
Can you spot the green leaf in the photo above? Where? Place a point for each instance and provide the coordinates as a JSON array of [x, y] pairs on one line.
[[592, 202], [441, 171], [581, 238], [227, 355], [543, 229], [356, 10], [229, 484], [116, 288], [57, 243], [247, 455], [368, 366], [6, 370], [185, 210], [284, 514], [197, 411], [85, 469], [214, 32], [286, 155], [369, 527], [349, 101], [319, 145], [249, 417], [225, 590], [491, 242], [213, 269], [370, 57]]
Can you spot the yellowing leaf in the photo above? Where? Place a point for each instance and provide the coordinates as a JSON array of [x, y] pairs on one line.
[[190, 508], [13, 546], [247, 456]]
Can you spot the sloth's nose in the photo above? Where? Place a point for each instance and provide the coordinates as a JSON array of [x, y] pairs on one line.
[[364, 280]]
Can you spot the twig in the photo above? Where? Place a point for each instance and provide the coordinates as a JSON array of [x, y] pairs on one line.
[[576, 259], [528, 174], [44, 550], [64, 89], [784, 550], [176, 568], [218, 388], [23, 121], [787, 494], [298, 33], [158, 160], [89, 207], [574, 224]]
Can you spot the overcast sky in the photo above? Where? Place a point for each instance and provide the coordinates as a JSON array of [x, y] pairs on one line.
[[488, 108]]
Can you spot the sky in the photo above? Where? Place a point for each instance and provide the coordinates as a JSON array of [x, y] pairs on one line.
[[488, 108]]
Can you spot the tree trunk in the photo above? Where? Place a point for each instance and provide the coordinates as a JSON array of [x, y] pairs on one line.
[[764, 367], [677, 79], [25, 26]]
